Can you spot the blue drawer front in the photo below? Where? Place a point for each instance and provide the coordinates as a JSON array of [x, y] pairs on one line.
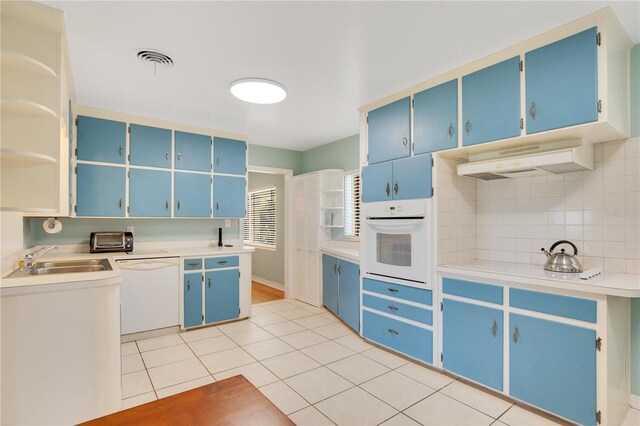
[[399, 309], [221, 262], [190, 264], [405, 338], [417, 295], [554, 304], [472, 290]]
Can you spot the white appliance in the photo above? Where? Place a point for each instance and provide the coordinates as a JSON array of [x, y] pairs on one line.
[[396, 236], [543, 159], [150, 293]]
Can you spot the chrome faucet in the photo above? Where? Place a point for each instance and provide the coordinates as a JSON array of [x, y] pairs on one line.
[[31, 257]]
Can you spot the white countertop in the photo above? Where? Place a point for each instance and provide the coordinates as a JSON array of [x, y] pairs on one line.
[[608, 283], [144, 251], [342, 249]]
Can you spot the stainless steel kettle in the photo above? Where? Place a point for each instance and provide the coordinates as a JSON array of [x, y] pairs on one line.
[[562, 262]]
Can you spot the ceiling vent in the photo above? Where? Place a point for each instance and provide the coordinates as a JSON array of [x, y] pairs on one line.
[[155, 57]]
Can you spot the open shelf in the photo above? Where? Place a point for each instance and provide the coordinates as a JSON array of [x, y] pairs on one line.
[[25, 63], [15, 159], [27, 210], [11, 106]]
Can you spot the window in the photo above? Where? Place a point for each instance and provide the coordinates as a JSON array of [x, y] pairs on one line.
[[352, 205], [259, 228]]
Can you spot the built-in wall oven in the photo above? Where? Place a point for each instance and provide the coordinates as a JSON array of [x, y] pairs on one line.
[[395, 240]]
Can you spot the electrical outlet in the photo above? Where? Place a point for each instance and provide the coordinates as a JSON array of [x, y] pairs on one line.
[[130, 229], [227, 223]]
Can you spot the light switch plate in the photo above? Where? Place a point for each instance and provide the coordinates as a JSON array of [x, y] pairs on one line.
[[130, 229]]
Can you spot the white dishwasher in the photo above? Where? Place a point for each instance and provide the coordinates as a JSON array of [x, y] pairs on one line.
[[150, 293]]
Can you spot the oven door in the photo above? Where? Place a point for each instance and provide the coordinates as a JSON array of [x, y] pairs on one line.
[[397, 248]]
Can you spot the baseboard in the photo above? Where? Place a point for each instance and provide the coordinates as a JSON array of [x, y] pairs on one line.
[[268, 283], [635, 401]]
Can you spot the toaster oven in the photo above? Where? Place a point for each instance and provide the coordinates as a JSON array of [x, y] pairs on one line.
[[105, 242]]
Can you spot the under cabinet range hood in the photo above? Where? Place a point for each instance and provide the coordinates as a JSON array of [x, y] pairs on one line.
[[534, 160]]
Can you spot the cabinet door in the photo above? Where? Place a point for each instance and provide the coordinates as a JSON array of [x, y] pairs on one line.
[[491, 103], [412, 178], [229, 196], [562, 83], [435, 118], [101, 190], [349, 294], [193, 152], [222, 295], [101, 140], [192, 296], [150, 146], [472, 339], [149, 193], [330, 283], [376, 182], [389, 131], [230, 156], [192, 195], [553, 366]]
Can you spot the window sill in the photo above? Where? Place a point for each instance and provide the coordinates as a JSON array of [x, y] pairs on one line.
[[260, 246]]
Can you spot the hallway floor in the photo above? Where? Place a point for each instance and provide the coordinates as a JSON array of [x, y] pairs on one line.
[[261, 293]]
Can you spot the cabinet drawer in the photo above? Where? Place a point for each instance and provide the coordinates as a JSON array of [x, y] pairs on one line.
[[190, 264], [397, 308], [406, 338], [554, 304], [417, 295], [472, 290], [221, 262]]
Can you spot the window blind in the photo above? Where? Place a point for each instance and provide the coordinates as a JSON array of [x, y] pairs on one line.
[[352, 205], [259, 228]]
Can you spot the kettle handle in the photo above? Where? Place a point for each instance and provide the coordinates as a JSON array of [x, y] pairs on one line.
[[557, 243]]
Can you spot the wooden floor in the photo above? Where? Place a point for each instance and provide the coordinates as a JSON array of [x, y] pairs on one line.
[[261, 293], [233, 401]]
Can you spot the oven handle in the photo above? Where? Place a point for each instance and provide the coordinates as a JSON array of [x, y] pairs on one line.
[[397, 225]]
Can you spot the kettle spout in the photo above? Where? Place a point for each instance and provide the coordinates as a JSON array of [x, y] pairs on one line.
[[546, 252]]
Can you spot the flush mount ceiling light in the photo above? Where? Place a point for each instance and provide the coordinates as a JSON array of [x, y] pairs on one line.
[[258, 90]]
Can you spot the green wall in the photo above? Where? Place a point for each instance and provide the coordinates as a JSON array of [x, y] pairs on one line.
[[341, 154], [265, 263], [275, 157], [635, 303]]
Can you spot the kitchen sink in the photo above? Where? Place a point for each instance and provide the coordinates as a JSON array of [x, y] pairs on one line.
[[64, 267]]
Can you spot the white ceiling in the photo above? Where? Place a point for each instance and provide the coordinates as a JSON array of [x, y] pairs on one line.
[[333, 57]]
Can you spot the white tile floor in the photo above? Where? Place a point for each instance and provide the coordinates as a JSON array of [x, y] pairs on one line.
[[315, 369]]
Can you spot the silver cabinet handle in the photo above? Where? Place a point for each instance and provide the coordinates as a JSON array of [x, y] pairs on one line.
[[392, 290], [222, 262], [193, 263], [392, 308], [467, 126], [188, 285], [516, 334], [209, 281], [338, 269], [166, 205], [404, 141], [494, 328], [120, 203], [120, 151], [392, 331], [166, 155], [395, 188], [179, 156], [217, 206], [217, 161], [178, 205], [451, 130], [532, 110], [388, 189], [335, 268]]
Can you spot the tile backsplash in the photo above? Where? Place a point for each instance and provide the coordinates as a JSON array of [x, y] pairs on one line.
[[597, 210]]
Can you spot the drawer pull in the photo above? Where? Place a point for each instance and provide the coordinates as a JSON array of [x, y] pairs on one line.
[[393, 290], [392, 308], [222, 262], [193, 264], [392, 331], [494, 328], [516, 334]]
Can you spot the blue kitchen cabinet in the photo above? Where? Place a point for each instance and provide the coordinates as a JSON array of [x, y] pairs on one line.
[[349, 293], [330, 283], [192, 195], [402, 336], [222, 295], [562, 83], [192, 298], [435, 118], [230, 156], [70, 135], [101, 140], [389, 131], [403, 179], [149, 193], [472, 342], [229, 196], [491, 103], [149, 146], [553, 366], [101, 190], [193, 152]]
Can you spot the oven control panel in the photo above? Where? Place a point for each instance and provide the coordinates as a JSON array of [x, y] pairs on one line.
[[404, 208]]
